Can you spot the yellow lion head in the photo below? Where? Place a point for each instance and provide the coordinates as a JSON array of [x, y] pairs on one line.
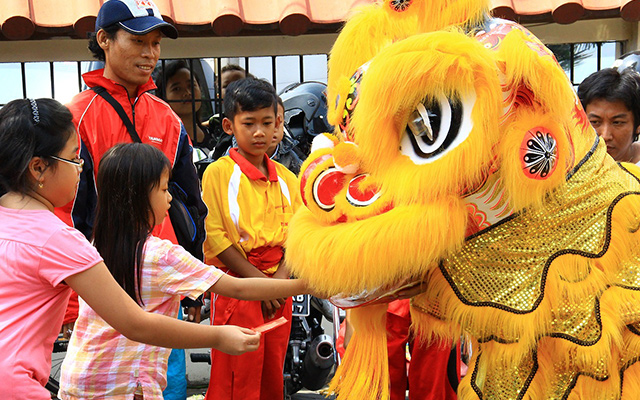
[[444, 127]]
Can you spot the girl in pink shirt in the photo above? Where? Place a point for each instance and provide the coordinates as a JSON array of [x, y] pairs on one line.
[[133, 197], [41, 258]]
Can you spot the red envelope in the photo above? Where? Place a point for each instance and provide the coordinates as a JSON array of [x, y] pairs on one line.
[[266, 327]]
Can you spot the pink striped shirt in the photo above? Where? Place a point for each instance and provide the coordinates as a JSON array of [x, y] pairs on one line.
[[101, 363]]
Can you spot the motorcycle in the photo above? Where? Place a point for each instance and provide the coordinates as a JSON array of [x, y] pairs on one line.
[[311, 354]]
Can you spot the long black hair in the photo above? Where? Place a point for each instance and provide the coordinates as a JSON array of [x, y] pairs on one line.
[[30, 128], [127, 175]]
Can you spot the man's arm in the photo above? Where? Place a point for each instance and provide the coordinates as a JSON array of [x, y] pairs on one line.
[[185, 175], [84, 205]]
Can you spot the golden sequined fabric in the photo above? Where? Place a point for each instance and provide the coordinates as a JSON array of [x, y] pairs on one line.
[[628, 275], [511, 260], [514, 378]]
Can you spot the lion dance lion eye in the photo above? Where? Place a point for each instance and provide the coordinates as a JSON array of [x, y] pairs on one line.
[[434, 127]]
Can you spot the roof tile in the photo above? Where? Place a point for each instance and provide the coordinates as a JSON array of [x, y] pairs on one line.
[[566, 12], [16, 20], [630, 10]]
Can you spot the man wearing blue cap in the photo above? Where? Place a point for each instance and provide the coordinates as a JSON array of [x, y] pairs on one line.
[[127, 38]]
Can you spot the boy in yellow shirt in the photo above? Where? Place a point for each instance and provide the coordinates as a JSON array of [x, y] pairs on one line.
[[251, 200]]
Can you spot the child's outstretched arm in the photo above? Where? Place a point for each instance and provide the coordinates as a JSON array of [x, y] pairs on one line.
[[102, 293], [258, 288], [254, 285]]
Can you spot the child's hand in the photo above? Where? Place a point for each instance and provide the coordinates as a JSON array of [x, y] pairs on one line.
[[235, 340], [67, 330], [269, 308]]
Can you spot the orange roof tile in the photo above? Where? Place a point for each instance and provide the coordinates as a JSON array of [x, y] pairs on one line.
[[39, 19], [565, 11]]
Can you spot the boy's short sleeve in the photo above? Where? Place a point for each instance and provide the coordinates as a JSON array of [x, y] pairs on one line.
[[294, 189], [179, 273], [66, 253], [214, 194]]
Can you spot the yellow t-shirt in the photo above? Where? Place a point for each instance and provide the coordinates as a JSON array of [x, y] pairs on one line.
[[247, 210]]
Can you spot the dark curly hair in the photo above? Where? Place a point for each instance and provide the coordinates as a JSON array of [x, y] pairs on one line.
[[613, 85], [95, 48]]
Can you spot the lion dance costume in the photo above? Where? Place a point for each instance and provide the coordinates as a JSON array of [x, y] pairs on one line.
[[462, 159]]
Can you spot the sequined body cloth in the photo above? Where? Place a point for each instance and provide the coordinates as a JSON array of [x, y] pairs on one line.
[[550, 297]]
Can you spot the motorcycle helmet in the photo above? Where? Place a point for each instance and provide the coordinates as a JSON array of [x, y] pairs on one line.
[[629, 60], [305, 112]]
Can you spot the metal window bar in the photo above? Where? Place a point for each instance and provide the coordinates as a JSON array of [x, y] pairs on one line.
[[573, 54], [572, 68], [273, 71], [79, 71], [52, 78], [301, 67], [216, 101], [23, 72]]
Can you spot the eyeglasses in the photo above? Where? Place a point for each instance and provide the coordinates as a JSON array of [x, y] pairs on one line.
[[77, 162]]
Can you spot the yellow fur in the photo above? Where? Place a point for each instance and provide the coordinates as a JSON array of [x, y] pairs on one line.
[[382, 27], [369, 381]]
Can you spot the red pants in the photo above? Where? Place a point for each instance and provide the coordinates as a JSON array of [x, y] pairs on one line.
[[427, 378], [255, 375]]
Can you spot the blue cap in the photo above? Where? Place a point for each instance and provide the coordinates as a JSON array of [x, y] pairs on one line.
[[137, 17]]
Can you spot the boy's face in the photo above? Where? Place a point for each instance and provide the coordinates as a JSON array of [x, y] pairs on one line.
[[279, 131], [613, 121], [253, 130], [179, 89]]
